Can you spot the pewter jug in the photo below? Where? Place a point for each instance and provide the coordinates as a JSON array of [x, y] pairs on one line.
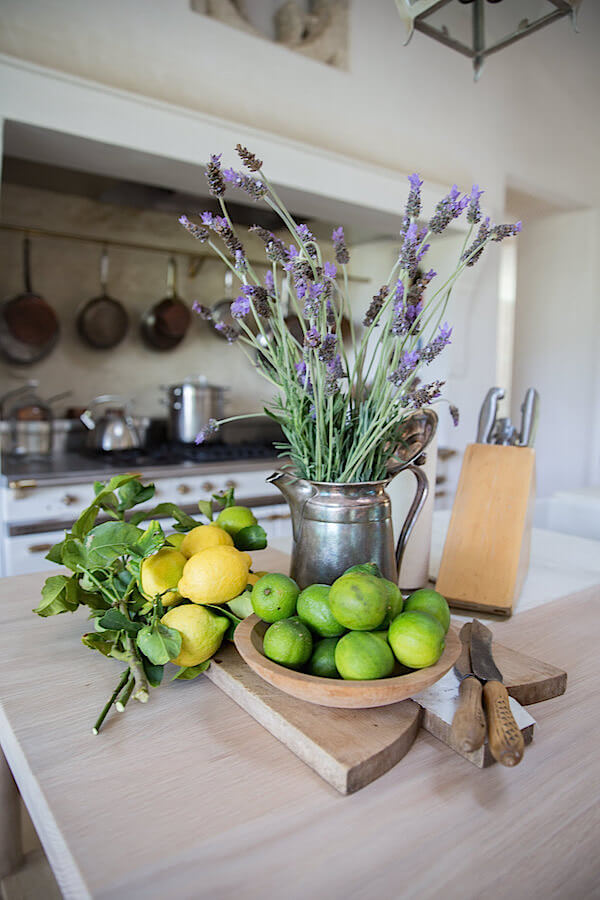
[[336, 526]]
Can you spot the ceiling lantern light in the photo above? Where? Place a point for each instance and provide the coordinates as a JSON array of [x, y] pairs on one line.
[[465, 26]]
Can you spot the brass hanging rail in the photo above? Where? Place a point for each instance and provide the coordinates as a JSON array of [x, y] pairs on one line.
[[194, 257]]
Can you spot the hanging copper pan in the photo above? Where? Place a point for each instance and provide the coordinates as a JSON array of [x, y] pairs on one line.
[[103, 321], [165, 324]]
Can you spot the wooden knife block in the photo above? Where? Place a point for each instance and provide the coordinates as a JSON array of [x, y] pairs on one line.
[[486, 554]]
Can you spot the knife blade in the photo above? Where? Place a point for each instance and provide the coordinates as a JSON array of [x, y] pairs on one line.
[[487, 415], [468, 724], [504, 735]]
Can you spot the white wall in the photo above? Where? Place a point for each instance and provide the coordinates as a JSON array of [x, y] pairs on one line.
[[557, 346]]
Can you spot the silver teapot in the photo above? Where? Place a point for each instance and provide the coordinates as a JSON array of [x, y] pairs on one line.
[[114, 429]]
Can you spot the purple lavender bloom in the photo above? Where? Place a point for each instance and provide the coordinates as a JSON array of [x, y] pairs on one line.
[[474, 209], [301, 288], [335, 367], [312, 338], [339, 245], [422, 396], [230, 175], [216, 182], [203, 311], [231, 334], [375, 306], [211, 427], [313, 303], [399, 292], [449, 208], [454, 414], [435, 347], [303, 376], [292, 252], [305, 233], [327, 349], [197, 231], [240, 259], [408, 254], [207, 218], [413, 205], [331, 320], [405, 369], [474, 251], [499, 232], [269, 282], [329, 270], [240, 307]]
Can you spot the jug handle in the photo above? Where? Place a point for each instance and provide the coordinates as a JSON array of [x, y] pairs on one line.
[[416, 507]]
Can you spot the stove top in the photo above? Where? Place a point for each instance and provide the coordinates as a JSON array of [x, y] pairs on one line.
[[171, 454]]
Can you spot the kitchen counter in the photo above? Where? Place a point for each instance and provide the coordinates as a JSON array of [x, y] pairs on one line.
[[189, 797]]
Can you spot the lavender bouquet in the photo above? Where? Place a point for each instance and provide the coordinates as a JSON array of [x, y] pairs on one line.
[[341, 410]]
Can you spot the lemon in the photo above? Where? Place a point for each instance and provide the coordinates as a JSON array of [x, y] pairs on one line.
[[426, 600], [203, 536], [253, 577], [288, 642], [175, 539], [160, 571], [234, 518], [201, 632], [358, 601], [214, 575], [417, 639], [274, 597], [362, 656]]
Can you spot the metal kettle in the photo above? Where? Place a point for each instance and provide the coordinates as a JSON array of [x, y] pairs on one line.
[[114, 429]]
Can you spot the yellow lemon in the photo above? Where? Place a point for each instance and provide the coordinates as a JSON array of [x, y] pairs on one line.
[[253, 577], [214, 575], [203, 536], [160, 571], [201, 632]]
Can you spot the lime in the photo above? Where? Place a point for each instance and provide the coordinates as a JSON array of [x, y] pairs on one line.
[[201, 632], [322, 662], [314, 610], [160, 572], [369, 568], [358, 601], [417, 639], [288, 642], [274, 597], [394, 600], [203, 536], [429, 601], [361, 656], [241, 606], [233, 518]]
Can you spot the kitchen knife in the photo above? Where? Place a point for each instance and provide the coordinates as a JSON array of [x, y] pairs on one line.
[[468, 724], [529, 418], [504, 735], [487, 415]]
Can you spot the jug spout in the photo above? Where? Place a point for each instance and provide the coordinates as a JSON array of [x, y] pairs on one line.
[[297, 492]]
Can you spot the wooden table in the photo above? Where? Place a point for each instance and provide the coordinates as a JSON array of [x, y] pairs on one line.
[[188, 797]]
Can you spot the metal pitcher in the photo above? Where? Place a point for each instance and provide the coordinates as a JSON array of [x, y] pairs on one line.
[[336, 526]]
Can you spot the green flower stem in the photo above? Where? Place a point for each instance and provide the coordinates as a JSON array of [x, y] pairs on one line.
[[124, 698], [111, 700], [135, 664]]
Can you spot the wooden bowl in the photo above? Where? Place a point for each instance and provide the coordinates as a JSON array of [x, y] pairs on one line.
[[248, 637]]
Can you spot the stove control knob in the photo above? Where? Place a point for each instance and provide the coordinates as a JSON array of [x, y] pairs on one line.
[[183, 488], [68, 499], [230, 483], [207, 486]]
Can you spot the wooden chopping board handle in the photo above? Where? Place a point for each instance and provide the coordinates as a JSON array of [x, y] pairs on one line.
[[504, 735], [468, 725]]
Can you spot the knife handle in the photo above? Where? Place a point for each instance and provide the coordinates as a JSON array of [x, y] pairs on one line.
[[468, 724], [504, 735]]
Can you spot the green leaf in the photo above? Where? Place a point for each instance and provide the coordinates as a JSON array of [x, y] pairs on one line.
[[159, 643], [234, 620], [74, 556], [184, 522], [57, 597], [154, 674], [252, 537], [55, 553], [187, 673], [206, 508], [98, 641], [107, 542], [114, 620], [225, 498], [133, 493], [151, 540], [85, 522]]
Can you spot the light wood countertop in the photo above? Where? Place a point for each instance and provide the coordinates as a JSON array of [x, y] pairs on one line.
[[189, 797]]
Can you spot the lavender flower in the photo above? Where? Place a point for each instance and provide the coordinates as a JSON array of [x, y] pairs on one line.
[[423, 396], [252, 186], [305, 233], [312, 338], [207, 218], [474, 209], [275, 247], [198, 231], [405, 369], [229, 237], [240, 307], [339, 245], [499, 232], [330, 315], [376, 305], [312, 305], [329, 270], [216, 182], [327, 349], [249, 159], [408, 254], [454, 414], [228, 332], [211, 427], [303, 376], [335, 367], [269, 282], [447, 209], [435, 347], [260, 299], [413, 205], [203, 311], [474, 251]]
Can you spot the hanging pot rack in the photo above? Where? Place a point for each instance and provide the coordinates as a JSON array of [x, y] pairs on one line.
[[195, 260]]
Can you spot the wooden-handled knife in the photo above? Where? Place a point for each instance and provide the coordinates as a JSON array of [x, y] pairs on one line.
[[468, 724], [504, 735]]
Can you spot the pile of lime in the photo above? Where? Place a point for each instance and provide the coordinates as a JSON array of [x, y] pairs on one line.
[[359, 628]]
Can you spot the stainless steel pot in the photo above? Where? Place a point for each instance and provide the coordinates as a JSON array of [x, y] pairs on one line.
[[190, 405], [114, 429]]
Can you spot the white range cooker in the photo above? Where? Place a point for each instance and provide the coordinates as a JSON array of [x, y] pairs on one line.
[[39, 501]]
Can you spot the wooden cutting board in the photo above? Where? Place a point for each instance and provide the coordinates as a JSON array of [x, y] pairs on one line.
[[349, 748]]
